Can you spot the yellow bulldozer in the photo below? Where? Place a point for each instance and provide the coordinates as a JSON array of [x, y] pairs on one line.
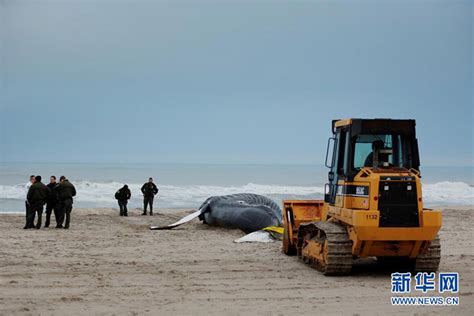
[[372, 206]]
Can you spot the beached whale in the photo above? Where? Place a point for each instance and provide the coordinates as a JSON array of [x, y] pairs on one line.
[[246, 211]]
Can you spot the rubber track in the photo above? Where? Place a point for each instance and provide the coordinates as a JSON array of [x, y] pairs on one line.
[[429, 262], [339, 248]]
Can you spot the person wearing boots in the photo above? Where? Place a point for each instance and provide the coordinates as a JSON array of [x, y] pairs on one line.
[[149, 191], [27, 206], [66, 191], [52, 202], [122, 196], [37, 196]]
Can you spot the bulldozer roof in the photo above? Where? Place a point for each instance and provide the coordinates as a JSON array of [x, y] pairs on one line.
[[377, 125]]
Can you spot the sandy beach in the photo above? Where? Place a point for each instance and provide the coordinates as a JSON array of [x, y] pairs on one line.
[[106, 264]]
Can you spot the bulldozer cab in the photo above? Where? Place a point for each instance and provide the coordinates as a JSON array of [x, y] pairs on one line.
[[381, 145]]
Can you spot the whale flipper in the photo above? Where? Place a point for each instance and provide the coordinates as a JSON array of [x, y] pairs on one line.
[[182, 221]]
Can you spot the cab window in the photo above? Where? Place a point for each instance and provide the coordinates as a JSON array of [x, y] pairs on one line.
[[363, 149]]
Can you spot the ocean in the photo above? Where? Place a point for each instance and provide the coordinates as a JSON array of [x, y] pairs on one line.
[[188, 185]]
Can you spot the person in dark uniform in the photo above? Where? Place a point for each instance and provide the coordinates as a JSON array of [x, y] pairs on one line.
[[65, 191], [52, 202], [122, 196], [27, 206], [149, 191], [37, 196]]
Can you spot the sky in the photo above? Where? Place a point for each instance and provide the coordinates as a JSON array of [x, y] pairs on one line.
[[229, 81]]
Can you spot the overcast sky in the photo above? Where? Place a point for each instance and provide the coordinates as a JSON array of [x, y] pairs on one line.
[[229, 82]]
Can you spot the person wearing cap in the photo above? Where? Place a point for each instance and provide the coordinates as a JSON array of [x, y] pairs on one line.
[[65, 191], [149, 191], [37, 196], [122, 196]]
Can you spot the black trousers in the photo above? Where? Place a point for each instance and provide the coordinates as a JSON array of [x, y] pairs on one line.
[[148, 200], [123, 208], [32, 210], [66, 209], [50, 207], [60, 219], [27, 211]]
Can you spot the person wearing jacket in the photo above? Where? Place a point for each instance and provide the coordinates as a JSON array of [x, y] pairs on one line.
[[37, 196], [149, 191], [52, 202], [65, 191], [122, 196], [27, 206]]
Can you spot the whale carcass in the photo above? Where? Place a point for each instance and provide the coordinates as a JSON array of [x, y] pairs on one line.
[[246, 211]]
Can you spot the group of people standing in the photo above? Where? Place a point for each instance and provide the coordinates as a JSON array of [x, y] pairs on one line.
[[149, 190], [58, 198]]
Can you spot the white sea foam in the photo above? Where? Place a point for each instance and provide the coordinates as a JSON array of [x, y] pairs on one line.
[[446, 192], [99, 194]]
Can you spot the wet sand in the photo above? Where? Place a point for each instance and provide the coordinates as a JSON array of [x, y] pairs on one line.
[[106, 264]]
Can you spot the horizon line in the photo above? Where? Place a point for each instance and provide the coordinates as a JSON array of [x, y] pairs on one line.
[[203, 163]]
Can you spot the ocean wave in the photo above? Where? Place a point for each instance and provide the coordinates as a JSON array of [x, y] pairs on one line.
[[102, 194], [446, 192]]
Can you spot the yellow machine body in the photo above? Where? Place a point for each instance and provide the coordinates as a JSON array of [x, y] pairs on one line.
[[357, 217]]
